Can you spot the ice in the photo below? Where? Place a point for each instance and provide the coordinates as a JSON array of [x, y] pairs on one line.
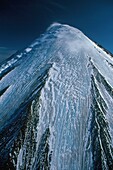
[[64, 91], [28, 49], [19, 56]]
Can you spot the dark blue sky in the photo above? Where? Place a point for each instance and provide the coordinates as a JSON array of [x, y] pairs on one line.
[[21, 21]]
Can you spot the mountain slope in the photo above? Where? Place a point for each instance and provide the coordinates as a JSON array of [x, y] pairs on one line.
[[56, 104]]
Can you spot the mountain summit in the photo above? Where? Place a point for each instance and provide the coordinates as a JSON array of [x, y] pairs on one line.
[[56, 104]]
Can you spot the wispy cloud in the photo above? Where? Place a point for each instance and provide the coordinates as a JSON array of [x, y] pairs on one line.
[[5, 53], [58, 5], [49, 9], [3, 48], [50, 4]]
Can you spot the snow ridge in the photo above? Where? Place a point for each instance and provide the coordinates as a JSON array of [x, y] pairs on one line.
[[62, 94]]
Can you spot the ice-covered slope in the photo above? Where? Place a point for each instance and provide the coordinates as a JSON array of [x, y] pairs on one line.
[[56, 104]]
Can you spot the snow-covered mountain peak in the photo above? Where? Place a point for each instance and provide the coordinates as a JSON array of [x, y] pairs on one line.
[[60, 31], [64, 27], [56, 104]]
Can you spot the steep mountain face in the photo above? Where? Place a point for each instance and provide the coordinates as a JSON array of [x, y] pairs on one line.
[[56, 104]]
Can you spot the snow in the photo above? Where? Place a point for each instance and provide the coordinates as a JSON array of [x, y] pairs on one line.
[[65, 59], [19, 56], [28, 49]]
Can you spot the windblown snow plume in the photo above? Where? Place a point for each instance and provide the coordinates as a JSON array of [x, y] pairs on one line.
[[56, 104]]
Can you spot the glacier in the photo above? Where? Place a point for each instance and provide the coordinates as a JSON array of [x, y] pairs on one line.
[[56, 104]]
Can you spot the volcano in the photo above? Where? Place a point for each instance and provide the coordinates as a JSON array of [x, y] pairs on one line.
[[56, 104]]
